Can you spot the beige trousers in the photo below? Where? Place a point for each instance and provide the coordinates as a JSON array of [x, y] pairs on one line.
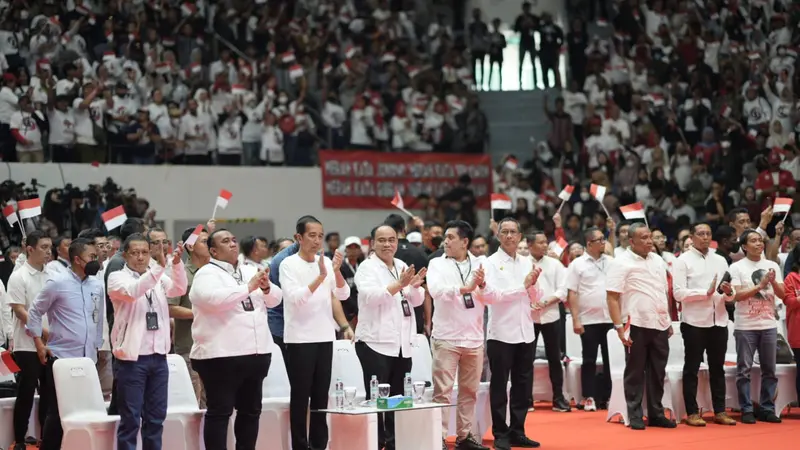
[[33, 156], [197, 383], [449, 360]]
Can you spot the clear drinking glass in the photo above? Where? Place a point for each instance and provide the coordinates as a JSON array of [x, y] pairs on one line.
[[384, 389], [350, 396], [419, 391]]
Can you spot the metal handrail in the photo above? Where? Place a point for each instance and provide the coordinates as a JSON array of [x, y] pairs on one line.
[[230, 45]]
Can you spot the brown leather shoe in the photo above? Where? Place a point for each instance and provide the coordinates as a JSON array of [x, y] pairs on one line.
[[724, 419], [694, 420]]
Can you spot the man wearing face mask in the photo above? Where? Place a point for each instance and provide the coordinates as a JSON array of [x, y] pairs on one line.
[[74, 306]]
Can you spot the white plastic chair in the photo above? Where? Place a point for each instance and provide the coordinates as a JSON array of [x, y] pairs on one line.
[[786, 392], [84, 419], [274, 419], [421, 359], [347, 366], [6, 415], [572, 380], [182, 426]]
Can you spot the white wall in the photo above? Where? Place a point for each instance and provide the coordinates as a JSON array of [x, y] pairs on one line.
[[188, 193]]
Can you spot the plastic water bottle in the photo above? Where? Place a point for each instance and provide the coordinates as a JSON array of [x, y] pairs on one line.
[[339, 394], [373, 389], [408, 386]]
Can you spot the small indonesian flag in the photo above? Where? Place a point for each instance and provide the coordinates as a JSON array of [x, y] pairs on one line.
[[558, 246], [397, 201], [195, 234], [223, 198], [501, 201], [238, 89], [566, 193], [326, 69], [195, 68], [597, 191], [83, 10], [412, 72], [726, 111], [114, 218], [44, 64], [791, 52], [633, 211], [511, 163], [10, 214], [7, 364], [754, 55], [189, 9], [752, 134], [287, 57], [168, 42], [162, 68], [782, 204], [295, 72], [29, 208], [656, 99], [388, 57], [350, 52], [109, 56], [602, 23], [65, 38]]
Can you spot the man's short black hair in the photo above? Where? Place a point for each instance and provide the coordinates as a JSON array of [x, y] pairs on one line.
[[276, 244], [588, 235], [397, 223], [34, 237], [507, 220], [57, 241], [463, 228], [693, 227], [153, 230], [211, 243], [724, 232], [735, 212], [135, 237], [531, 237], [77, 247], [248, 244], [432, 223], [131, 226], [300, 227], [91, 234], [331, 235], [188, 232]]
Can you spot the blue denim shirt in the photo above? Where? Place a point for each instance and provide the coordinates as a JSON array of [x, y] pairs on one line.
[[75, 311], [275, 315]]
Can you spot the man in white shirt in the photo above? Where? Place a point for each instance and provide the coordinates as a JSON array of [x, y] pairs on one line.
[[61, 137], [141, 337], [388, 292], [547, 314], [313, 289], [159, 244], [637, 288], [586, 295], [456, 284], [232, 360], [757, 285], [699, 283], [254, 251], [60, 265], [623, 240], [23, 286], [511, 285], [26, 128]]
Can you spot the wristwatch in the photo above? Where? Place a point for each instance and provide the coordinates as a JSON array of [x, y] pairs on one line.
[[617, 326], [344, 328]]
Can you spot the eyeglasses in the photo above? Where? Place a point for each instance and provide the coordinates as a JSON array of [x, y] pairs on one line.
[[600, 239]]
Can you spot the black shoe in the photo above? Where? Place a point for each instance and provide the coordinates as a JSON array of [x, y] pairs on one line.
[[444, 445], [502, 444], [769, 417], [20, 446], [637, 424], [748, 418], [661, 422], [561, 405], [469, 443], [523, 442]]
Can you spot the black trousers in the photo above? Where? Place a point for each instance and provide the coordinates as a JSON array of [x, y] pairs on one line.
[[232, 382], [514, 361], [278, 340], [388, 369], [31, 376], [551, 332], [309, 368], [112, 405], [52, 433], [645, 368], [594, 336], [714, 342], [62, 153]]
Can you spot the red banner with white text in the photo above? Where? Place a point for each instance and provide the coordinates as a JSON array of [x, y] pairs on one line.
[[368, 179]]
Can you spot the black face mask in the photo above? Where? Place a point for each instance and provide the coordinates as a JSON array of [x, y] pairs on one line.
[[91, 268], [735, 247], [437, 241]]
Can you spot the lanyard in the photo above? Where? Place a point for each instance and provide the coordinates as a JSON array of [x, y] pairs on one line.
[[461, 274], [149, 296], [234, 275], [396, 277]]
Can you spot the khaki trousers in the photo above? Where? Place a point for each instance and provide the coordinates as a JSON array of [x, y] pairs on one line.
[[449, 360], [33, 156]]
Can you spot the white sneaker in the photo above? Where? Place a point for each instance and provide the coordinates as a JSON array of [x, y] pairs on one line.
[[589, 405]]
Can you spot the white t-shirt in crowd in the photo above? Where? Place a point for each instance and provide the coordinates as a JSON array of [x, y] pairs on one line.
[[196, 127], [757, 312], [62, 127], [85, 119], [29, 129], [8, 104]]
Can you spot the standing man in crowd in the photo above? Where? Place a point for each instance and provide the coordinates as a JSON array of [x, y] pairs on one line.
[[233, 359], [23, 287], [700, 286], [313, 289], [511, 283], [586, 285], [456, 284], [388, 290], [637, 299], [180, 308], [74, 307], [275, 315], [254, 251], [60, 263], [412, 256], [141, 335], [547, 315]]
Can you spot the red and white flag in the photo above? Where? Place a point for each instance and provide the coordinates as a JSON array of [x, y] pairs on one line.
[[10, 215], [558, 246], [195, 234], [223, 198], [782, 205], [189, 9], [597, 191], [114, 218], [511, 163], [501, 201], [350, 52], [238, 89], [633, 211], [295, 72], [397, 200], [726, 111], [109, 56], [29, 208], [287, 57], [7, 364], [566, 193]]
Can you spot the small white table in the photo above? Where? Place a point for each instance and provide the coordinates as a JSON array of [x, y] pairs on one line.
[[417, 428]]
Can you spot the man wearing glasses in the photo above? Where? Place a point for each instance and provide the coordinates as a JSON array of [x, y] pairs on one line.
[[586, 285]]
